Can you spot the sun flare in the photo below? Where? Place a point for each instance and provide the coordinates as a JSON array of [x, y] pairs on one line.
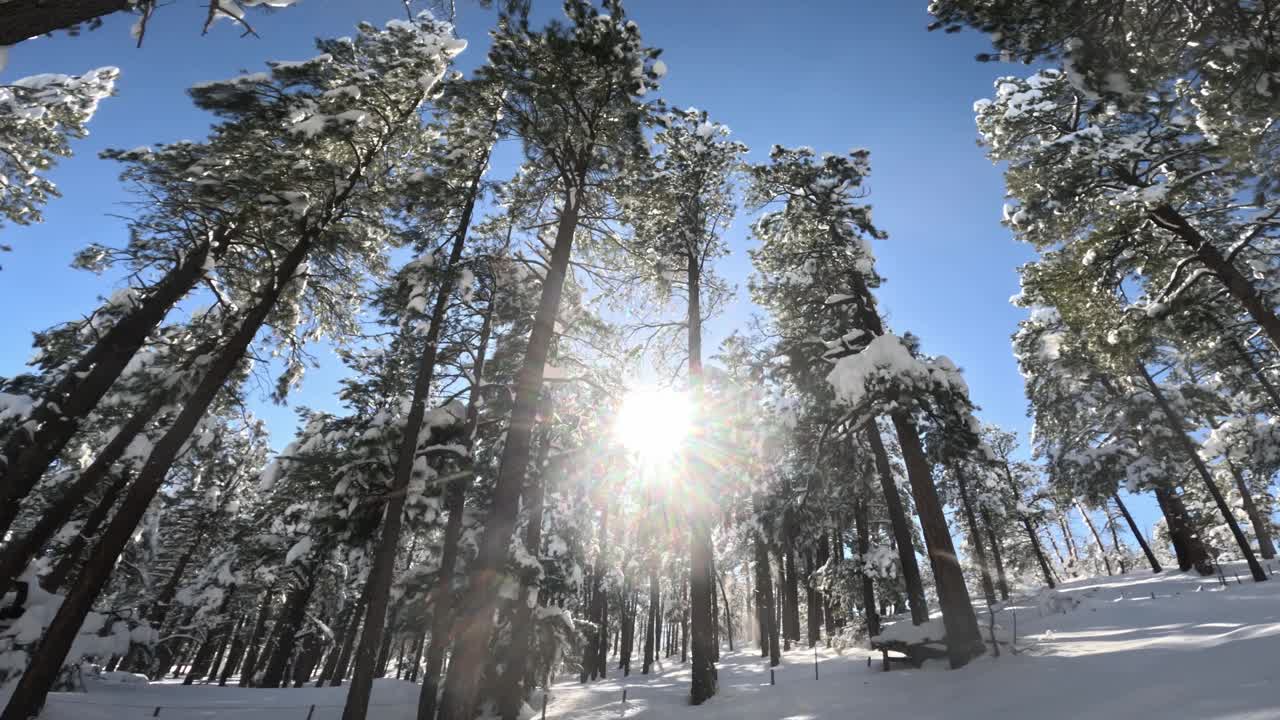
[[654, 422]]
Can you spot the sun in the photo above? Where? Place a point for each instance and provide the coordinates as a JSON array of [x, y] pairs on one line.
[[653, 422]]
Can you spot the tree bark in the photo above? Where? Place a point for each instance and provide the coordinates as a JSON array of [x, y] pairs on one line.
[[78, 391], [287, 627], [1035, 546], [764, 602], [44, 530], [1261, 527], [23, 19], [964, 641], [900, 525], [1097, 539], [975, 538], [1002, 580], [651, 638], [1193, 453], [1188, 547], [29, 695], [252, 651], [863, 530], [380, 575], [471, 647]]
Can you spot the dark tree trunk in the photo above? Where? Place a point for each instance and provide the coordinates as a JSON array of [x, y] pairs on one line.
[[369, 654], [252, 649], [813, 606], [1193, 453], [964, 641], [975, 538], [454, 505], [653, 622], [213, 645], [513, 690], [704, 680], [792, 608], [1002, 580], [29, 695], [1188, 547], [861, 527], [900, 525], [347, 619], [287, 627], [1238, 286], [44, 531], [471, 647], [1035, 547], [22, 19], [764, 604], [1121, 550], [728, 613], [77, 393], [1068, 538], [684, 620], [1261, 527], [235, 654], [1097, 539]]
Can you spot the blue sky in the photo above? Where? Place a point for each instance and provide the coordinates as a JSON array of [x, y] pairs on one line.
[[829, 74]]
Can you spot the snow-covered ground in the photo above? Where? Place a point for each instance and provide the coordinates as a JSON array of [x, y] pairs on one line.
[[1197, 650]]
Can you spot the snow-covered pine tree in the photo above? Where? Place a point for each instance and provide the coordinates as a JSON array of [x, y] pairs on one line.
[[574, 133]]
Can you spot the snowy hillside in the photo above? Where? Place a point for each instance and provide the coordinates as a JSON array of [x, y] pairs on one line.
[[1197, 650]]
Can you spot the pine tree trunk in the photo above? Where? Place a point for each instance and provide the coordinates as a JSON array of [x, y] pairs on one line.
[[287, 627], [1188, 547], [975, 539], [349, 642], [863, 530], [213, 644], [1261, 527], [78, 391], [728, 614], [964, 641], [454, 506], [1068, 538], [1035, 547], [1002, 580], [684, 620], [813, 613], [252, 650], [380, 575], [1238, 286], [29, 695], [764, 603], [471, 647], [513, 692], [792, 624], [1193, 453], [57, 515], [235, 655], [1121, 550], [1054, 544], [346, 619], [1097, 539], [900, 525], [651, 637]]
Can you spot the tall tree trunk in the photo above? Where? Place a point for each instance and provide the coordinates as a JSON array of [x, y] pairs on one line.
[[287, 627], [1068, 537], [380, 575], [65, 405], [764, 601], [964, 641], [252, 648], [44, 531], [1035, 546], [29, 695], [728, 611], [471, 647], [1261, 527], [1186, 547], [792, 621], [235, 654], [863, 530], [1002, 580], [900, 525], [1238, 286], [813, 613], [704, 681], [1097, 539], [347, 618], [1193, 453], [512, 692], [210, 653], [684, 619], [1121, 550], [455, 506], [651, 638], [975, 538]]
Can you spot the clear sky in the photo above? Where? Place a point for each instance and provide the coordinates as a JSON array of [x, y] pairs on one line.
[[830, 74]]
